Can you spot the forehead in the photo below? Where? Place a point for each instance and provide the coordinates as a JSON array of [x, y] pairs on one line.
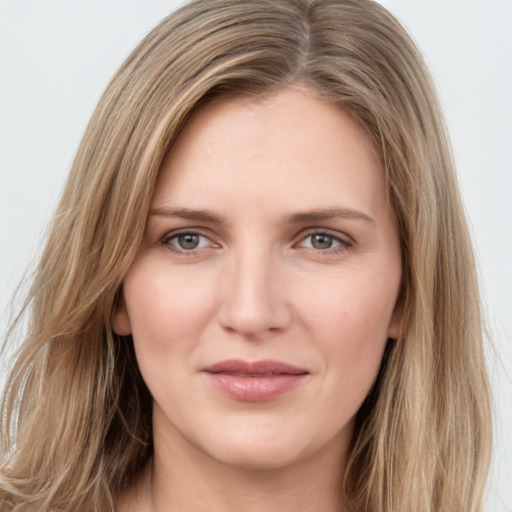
[[289, 143]]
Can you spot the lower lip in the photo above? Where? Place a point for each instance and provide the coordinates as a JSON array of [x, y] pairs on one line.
[[254, 389]]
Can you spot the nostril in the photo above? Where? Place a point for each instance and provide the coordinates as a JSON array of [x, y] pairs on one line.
[[252, 302]]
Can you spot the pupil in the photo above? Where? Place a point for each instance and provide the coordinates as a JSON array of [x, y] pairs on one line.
[[188, 241], [321, 241]]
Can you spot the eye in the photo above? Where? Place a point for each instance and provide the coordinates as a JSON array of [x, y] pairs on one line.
[[321, 241], [187, 241], [325, 241]]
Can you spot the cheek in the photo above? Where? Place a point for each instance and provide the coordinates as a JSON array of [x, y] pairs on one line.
[[350, 318], [166, 306], [361, 307], [168, 310]]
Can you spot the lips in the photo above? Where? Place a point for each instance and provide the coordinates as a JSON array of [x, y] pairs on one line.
[[254, 381]]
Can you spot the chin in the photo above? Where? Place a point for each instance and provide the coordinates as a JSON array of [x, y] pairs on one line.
[[260, 448], [256, 457]]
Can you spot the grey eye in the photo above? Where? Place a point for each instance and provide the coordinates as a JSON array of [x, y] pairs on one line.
[[187, 241], [322, 241]]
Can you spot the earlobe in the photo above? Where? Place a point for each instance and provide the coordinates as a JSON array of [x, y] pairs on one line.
[[395, 329], [120, 319]]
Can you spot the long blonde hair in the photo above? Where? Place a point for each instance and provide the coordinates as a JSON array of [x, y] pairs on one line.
[[76, 413]]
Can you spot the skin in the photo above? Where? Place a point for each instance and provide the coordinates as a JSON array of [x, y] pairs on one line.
[[319, 293]]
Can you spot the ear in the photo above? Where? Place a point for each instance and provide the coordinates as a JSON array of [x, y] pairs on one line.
[[395, 328], [120, 319]]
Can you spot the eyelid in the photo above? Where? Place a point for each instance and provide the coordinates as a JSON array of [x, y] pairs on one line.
[[346, 242], [166, 240]]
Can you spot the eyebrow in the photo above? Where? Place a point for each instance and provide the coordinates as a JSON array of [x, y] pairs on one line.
[[296, 218], [187, 214], [327, 214]]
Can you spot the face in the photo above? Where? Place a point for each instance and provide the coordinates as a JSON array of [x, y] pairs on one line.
[[264, 291]]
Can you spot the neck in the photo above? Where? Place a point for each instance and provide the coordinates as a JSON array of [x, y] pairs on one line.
[[197, 483], [215, 487], [183, 477]]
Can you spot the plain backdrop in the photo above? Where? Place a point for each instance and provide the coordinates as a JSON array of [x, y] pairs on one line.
[[56, 57]]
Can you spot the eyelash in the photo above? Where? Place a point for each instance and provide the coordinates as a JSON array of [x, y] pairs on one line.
[[344, 242], [168, 239]]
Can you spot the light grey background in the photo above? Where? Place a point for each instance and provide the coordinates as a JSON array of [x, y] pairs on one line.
[[56, 57]]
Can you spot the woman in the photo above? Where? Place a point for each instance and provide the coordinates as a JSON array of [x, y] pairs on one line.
[[258, 291]]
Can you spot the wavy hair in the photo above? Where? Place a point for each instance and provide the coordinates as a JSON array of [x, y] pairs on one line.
[[76, 418]]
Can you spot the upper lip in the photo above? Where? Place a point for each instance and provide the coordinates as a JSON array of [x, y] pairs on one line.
[[264, 367]]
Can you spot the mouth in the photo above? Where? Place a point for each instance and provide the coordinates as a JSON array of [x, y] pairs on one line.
[[254, 381]]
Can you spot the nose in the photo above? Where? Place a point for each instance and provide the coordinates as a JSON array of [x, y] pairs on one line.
[[254, 300]]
